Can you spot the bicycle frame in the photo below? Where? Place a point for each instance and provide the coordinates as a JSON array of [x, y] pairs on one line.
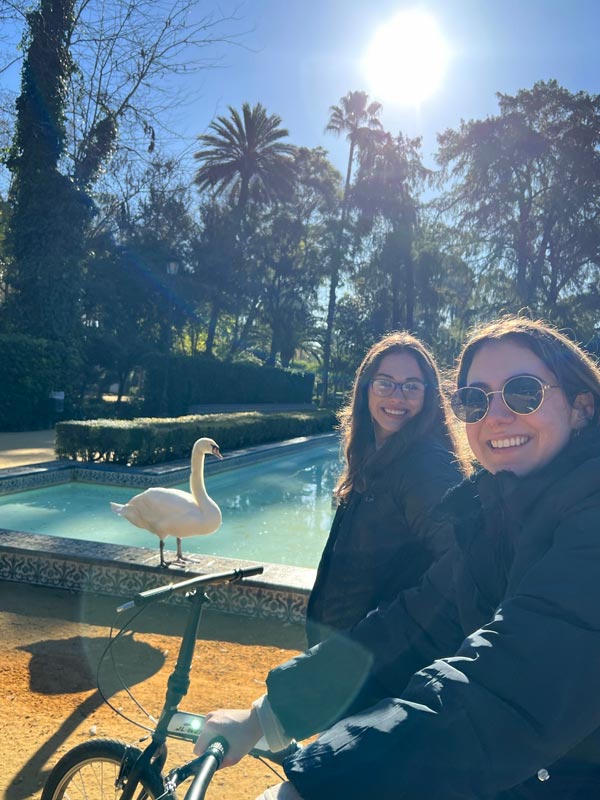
[[111, 765], [155, 753]]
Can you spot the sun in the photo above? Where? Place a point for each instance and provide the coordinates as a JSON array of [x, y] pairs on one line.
[[406, 60]]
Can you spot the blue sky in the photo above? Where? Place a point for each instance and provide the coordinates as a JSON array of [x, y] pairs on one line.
[[301, 56], [298, 57]]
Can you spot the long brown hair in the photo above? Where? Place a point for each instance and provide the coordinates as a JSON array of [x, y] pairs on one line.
[[575, 370], [355, 419]]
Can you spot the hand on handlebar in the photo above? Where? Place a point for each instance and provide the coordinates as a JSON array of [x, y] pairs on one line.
[[239, 727]]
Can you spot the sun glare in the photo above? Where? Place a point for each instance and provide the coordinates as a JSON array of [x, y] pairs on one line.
[[406, 59]]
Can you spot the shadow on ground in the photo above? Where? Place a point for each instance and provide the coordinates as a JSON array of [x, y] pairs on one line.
[[65, 666]]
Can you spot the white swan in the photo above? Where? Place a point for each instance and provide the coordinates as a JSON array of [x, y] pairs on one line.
[[171, 512]]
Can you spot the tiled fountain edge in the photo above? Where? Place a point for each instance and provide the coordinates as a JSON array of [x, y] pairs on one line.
[[280, 593]]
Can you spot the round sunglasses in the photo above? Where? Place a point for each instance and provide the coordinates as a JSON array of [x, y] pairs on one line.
[[522, 395]]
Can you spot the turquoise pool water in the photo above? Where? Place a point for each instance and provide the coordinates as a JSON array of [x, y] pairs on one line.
[[278, 510]]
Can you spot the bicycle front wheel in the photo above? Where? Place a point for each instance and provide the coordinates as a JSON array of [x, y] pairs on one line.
[[91, 770]]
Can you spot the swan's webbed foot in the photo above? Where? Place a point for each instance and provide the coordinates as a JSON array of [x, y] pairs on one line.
[[180, 558]]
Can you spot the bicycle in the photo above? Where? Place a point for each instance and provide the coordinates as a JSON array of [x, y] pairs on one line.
[[103, 768]]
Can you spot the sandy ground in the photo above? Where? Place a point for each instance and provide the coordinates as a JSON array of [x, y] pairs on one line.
[[51, 644]]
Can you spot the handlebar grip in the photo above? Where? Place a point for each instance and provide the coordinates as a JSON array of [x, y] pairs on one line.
[[211, 761]]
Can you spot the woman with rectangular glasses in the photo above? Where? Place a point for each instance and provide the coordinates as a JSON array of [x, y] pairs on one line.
[[482, 682], [400, 457]]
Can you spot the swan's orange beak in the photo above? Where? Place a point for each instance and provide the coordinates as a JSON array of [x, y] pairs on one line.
[[215, 451]]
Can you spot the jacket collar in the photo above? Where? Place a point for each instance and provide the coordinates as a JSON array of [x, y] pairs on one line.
[[486, 491]]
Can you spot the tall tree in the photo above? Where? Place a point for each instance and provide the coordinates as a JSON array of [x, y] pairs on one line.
[[289, 285], [218, 283], [245, 158], [89, 77], [385, 193], [48, 214], [161, 237], [284, 258], [359, 121], [525, 187], [290, 250], [123, 50], [135, 303]]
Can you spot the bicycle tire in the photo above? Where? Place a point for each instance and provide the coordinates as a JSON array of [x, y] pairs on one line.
[[91, 770]]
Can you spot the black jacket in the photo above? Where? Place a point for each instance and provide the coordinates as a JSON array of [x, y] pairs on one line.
[[381, 541], [482, 714]]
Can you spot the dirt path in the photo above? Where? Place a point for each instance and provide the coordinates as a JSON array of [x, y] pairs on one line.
[[51, 644], [19, 449]]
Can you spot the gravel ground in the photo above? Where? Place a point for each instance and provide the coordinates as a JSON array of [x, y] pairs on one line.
[[52, 640]]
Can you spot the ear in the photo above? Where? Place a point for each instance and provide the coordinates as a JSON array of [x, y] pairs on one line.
[[582, 410]]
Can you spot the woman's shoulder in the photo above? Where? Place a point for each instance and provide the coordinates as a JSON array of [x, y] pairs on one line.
[[430, 456], [575, 483], [427, 470], [429, 445]]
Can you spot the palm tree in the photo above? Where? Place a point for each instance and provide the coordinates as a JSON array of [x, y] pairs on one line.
[[245, 157], [358, 119], [389, 174]]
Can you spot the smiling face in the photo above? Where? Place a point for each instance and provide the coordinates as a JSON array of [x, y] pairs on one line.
[[390, 414], [504, 440]]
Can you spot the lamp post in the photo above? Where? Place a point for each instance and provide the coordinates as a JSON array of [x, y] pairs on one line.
[[172, 268]]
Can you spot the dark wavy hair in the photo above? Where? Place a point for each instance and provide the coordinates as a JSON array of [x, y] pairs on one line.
[[576, 371], [356, 425]]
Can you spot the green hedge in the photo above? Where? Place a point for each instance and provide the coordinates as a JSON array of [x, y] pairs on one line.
[[30, 369], [194, 380], [151, 441]]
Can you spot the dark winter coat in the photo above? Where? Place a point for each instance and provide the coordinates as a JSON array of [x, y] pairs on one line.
[[482, 715], [381, 540]]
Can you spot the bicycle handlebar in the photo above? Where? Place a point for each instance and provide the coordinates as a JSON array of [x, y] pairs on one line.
[[192, 768], [211, 760], [160, 592]]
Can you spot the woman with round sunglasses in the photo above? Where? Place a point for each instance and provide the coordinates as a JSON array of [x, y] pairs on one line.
[[491, 664], [400, 457], [482, 682]]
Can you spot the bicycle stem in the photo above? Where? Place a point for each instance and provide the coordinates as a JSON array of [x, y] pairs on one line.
[[179, 680], [177, 687]]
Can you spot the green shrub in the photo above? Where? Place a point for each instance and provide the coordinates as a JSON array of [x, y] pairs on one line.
[[195, 380], [94, 408], [151, 441], [30, 369]]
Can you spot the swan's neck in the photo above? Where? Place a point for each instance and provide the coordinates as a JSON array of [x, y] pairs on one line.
[[197, 487]]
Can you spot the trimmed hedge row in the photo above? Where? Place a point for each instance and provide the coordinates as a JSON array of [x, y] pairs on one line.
[[178, 382], [146, 441]]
